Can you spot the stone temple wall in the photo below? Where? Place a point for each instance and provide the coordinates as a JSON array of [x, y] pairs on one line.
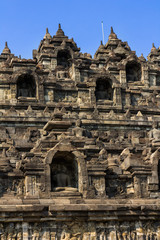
[[80, 142]]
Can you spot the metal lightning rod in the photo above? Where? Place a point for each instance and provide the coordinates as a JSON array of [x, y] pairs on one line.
[[102, 32]]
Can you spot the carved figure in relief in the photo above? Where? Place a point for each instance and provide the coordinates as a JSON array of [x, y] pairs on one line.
[[20, 187], [103, 156], [146, 154], [99, 184], [50, 96], [154, 134], [103, 90], [78, 131], [61, 179], [25, 90], [102, 94]]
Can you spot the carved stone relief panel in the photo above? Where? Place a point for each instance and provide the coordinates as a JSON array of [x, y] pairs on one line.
[[80, 230], [65, 96], [32, 185], [48, 95], [83, 97], [11, 186], [152, 79]]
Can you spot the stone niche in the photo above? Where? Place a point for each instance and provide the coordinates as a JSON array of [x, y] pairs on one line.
[[133, 72], [26, 86], [63, 58], [103, 90], [64, 172]]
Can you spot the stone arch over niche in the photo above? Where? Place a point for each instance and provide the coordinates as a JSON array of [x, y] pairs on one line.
[[82, 175], [64, 172], [133, 71], [63, 58], [104, 89], [26, 86]]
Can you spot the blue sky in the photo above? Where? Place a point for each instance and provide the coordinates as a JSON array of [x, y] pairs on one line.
[[23, 23]]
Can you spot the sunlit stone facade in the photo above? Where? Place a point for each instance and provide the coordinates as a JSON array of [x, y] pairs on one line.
[[80, 142]]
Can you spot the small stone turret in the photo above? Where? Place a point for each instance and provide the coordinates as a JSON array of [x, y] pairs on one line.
[[112, 34], [6, 50], [60, 32], [153, 49], [47, 35]]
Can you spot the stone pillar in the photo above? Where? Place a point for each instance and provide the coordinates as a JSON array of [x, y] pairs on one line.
[[31, 186], [40, 92], [123, 76], [13, 90], [144, 76], [53, 63], [77, 75], [152, 79], [92, 95], [25, 231], [127, 99], [137, 187], [117, 98]]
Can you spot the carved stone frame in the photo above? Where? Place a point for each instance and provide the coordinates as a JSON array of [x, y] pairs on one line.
[[15, 78], [78, 156]]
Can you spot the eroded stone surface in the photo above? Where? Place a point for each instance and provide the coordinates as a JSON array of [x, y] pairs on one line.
[[80, 142]]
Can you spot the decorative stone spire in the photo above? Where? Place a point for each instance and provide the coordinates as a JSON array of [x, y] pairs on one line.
[[153, 49], [101, 46], [60, 32], [6, 50], [142, 58], [153, 54], [112, 34], [47, 35]]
